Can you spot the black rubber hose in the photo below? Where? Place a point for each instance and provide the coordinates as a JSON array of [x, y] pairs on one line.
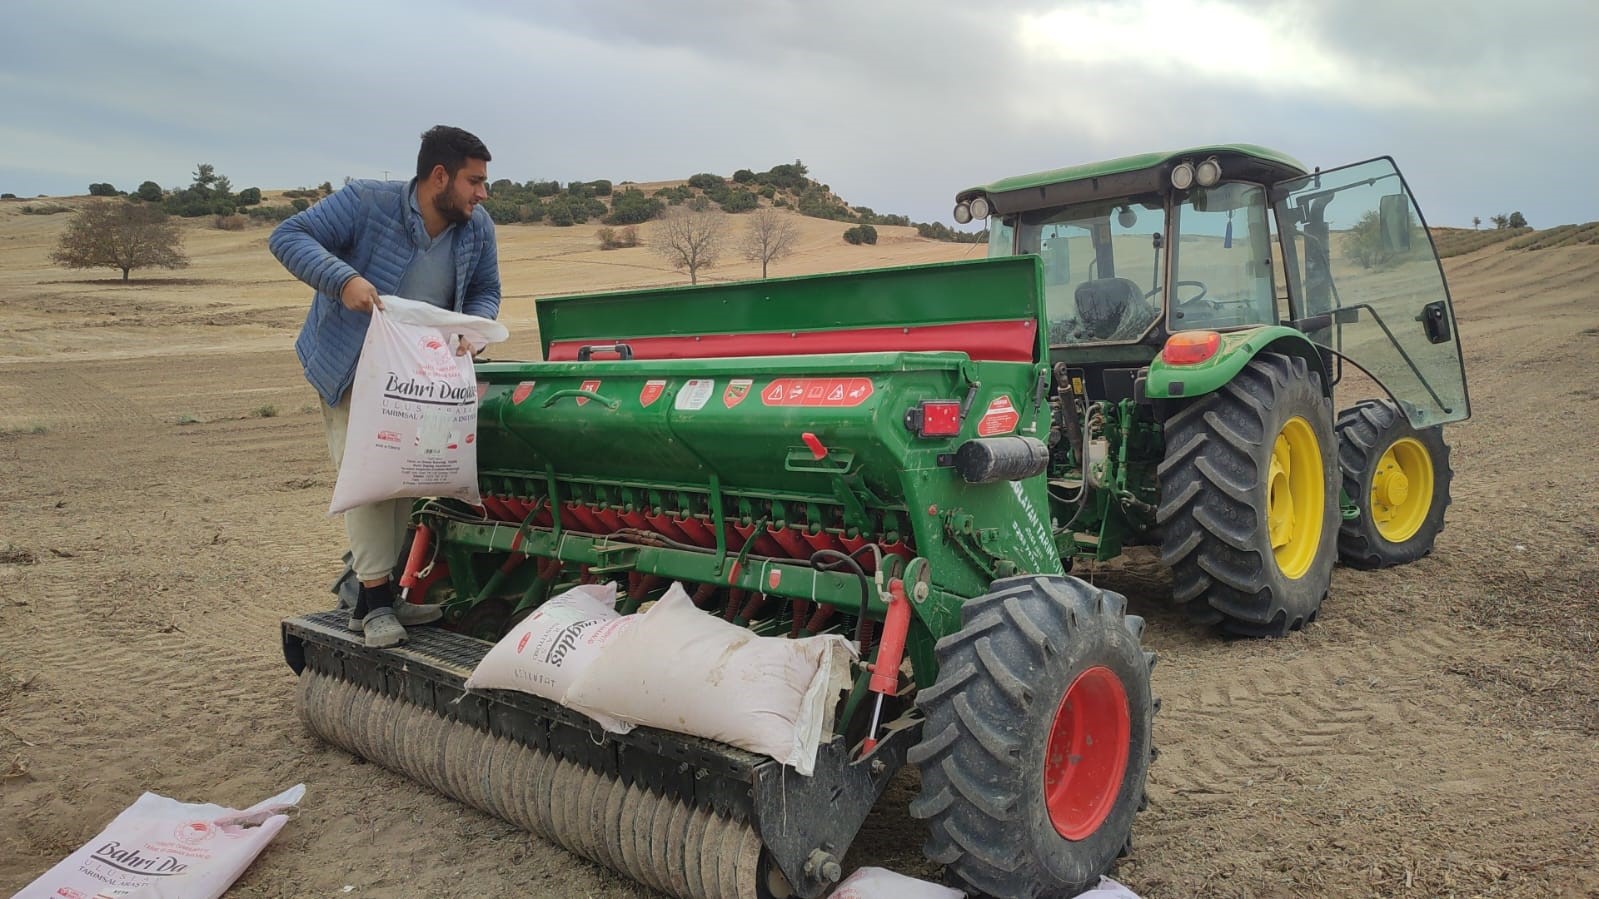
[[840, 560]]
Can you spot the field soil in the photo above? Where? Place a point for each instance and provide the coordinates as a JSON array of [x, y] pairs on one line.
[[163, 484]]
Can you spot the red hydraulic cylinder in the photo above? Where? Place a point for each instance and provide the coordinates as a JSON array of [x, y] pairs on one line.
[[420, 542]]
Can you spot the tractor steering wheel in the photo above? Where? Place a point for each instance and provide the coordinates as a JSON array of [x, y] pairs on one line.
[[1193, 299]]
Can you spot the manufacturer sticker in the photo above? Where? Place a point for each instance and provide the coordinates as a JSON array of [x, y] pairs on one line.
[[651, 392], [842, 392], [695, 394], [522, 392], [1001, 418], [737, 390], [591, 387]]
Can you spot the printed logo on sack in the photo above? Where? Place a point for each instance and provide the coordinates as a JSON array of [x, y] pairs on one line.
[[389, 436], [70, 893], [522, 643], [194, 832], [431, 343]]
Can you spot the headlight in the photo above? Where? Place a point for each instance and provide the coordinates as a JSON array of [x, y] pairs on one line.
[[979, 206], [1208, 172], [1182, 177], [963, 213]]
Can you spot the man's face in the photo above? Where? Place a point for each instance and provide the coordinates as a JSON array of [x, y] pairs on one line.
[[461, 194]]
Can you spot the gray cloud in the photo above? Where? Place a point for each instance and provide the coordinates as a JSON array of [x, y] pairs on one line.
[[896, 104]]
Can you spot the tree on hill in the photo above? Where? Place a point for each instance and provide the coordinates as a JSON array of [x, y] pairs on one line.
[[1516, 220], [150, 192], [1476, 222], [771, 235], [690, 240], [123, 236]]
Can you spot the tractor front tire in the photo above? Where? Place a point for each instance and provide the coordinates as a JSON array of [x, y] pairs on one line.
[[1037, 738], [1398, 477], [1248, 512]]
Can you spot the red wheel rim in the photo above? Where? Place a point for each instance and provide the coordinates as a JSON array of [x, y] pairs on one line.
[[1087, 753]]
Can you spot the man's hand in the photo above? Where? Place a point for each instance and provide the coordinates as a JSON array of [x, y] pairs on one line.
[[463, 346], [359, 295]]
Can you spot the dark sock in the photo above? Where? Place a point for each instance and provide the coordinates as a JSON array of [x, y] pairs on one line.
[[374, 598]]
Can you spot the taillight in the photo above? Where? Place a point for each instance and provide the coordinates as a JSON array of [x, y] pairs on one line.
[[935, 418], [1190, 347]]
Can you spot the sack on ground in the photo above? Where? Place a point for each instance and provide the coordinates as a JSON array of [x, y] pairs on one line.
[[159, 848], [881, 883], [547, 651], [413, 407], [682, 670]]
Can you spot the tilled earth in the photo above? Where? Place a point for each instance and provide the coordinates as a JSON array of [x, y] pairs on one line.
[[161, 509]]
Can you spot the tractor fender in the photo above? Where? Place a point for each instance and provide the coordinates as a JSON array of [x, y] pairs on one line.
[[1175, 382]]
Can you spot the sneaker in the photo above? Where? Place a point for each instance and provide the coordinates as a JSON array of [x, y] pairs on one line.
[[382, 628]]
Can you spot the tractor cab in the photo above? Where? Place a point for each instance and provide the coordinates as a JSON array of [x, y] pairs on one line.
[[1226, 239]]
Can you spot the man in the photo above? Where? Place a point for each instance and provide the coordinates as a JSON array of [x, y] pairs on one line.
[[423, 240]]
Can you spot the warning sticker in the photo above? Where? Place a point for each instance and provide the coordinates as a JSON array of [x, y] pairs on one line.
[[817, 392], [737, 390], [651, 392], [695, 394], [591, 387], [1001, 418], [522, 392]]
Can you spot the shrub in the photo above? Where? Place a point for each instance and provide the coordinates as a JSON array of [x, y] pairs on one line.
[[270, 213], [150, 192], [101, 189], [544, 188], [768, 191], [861, 234], [8, 196], [780, 203], [602, 187], [300, 204], [612, 239], [739, 200], [266, 411], [818, 203], [326, 187], [743, 176], [561, 213], [579, 190], [233, 222], [250, 196], [706, 181], [52, 209], [629, 207]]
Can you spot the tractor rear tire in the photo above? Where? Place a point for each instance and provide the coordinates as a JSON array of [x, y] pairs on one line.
[[1398, 477], [1248, 512], [1037, 738]]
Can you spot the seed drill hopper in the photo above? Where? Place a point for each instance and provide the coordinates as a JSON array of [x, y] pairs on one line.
[[862, 453]]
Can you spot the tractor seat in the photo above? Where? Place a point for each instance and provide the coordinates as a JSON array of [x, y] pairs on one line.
[[1105, 303]]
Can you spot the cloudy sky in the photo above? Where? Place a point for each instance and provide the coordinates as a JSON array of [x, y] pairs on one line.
[[1488, 107]]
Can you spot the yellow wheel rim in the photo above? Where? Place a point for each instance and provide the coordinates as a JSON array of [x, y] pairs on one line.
[[1401, 490], [1295, 497]]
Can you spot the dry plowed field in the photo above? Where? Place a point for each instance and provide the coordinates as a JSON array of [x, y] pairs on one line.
[[163, 480]]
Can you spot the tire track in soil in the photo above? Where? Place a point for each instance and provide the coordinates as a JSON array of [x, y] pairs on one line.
[[1317, 708]]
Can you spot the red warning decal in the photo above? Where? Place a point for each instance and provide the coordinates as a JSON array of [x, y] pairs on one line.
[[774, 579], [522, 392], [817, 392], [590, 386], [1001, 418], [651, 392], [737, 390]]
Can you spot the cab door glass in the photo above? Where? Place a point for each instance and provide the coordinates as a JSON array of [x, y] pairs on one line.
[[1367, 283], [1221, 256]]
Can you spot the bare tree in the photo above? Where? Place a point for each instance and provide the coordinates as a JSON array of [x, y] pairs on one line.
[[690, 240], [121, 235], [771, 236]]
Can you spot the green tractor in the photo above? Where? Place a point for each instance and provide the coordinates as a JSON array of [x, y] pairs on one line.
[[1201, 307], [913, 458]]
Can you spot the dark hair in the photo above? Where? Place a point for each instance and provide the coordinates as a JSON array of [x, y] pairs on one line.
[[450, 147]]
